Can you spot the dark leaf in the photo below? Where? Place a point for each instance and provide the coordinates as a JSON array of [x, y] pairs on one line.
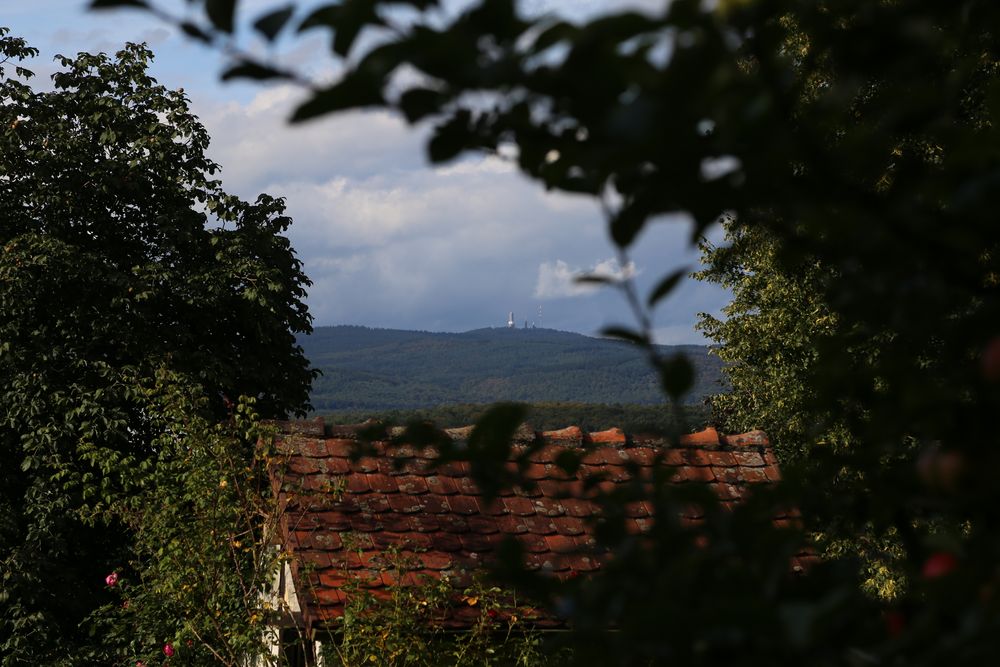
[[594, 279], [626, 226], [622, 333], [450, 138], [106, 4], [418, 103], [270, 24], [220, 13], [676, 376], [667, 285], [352, 92], [248, 70], [191, 30]]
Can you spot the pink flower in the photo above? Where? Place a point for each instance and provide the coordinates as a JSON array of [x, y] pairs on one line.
[[111, 579], [140, 663], [168, 649]]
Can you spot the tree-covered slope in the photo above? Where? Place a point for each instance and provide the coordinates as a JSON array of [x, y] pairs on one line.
[[385, 368]]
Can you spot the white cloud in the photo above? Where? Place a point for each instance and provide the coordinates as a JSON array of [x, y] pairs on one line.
[[558, 280]]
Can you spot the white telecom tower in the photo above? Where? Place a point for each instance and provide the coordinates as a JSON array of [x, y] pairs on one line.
[[510, 320]]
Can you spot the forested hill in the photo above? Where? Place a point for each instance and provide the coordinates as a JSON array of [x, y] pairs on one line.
[[388, 369]]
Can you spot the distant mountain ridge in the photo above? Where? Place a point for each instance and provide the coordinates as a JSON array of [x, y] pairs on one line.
[[365, 368]]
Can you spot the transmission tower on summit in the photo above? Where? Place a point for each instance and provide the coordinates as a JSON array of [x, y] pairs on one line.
[[510, 320]]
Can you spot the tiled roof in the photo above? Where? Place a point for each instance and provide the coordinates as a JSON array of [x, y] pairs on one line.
[[340, 515]]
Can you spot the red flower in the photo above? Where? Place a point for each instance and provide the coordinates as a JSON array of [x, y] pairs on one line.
[[168, 650], [939, 564], [111, 579]]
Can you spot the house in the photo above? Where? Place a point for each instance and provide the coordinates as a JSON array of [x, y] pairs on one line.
[[341, 515]]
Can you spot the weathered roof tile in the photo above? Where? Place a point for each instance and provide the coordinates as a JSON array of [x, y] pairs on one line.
[[344, 517]]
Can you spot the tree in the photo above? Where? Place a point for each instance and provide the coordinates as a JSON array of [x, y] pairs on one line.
[[122, 258], [860, 136]]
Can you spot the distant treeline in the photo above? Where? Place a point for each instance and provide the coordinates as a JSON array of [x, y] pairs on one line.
[[544, 416], [384, 370]]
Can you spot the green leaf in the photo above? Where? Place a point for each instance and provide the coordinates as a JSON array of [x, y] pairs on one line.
[[667, 285], [220, 13], [270, 24]]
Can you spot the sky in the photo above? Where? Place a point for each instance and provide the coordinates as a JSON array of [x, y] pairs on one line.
[[388, 240]]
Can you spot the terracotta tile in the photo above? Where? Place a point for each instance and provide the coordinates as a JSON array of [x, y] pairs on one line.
[[535, 471], [457, 469], [364, 464], [569, 435], [494, 508], [365, 523], [466, 486], [643, 456], [454, 524], [380, 483], [550, 488], [749, 458], [613, 436], [519, 506], [398, 523], [722, 459], [440, 513], [479, 543], [578, 508], [749, 439], [511, 525], [341, 448], [753, 475], [568, 525], [581, 562], [539, 525], [374, 503], [533, 543], [484, 525], [441, 485], [707, 437], [549, 507], [462, 504], [412, 540], [699, 474], [636, 510], [561, 544], [727, 475], [445, 542], [436, 560], [404, 504], [357, 484], [412, 484], [304, 465], [432, 504]]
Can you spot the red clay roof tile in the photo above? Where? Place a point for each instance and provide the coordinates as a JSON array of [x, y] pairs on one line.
[[343, 515]]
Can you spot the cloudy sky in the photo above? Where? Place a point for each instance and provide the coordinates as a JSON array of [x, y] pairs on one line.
[[388, 240]]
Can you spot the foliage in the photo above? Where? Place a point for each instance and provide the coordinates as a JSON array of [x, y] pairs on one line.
[[204, 525], [120, 258], [380, 369], [860, 135], [768, 337], [405, 626]]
